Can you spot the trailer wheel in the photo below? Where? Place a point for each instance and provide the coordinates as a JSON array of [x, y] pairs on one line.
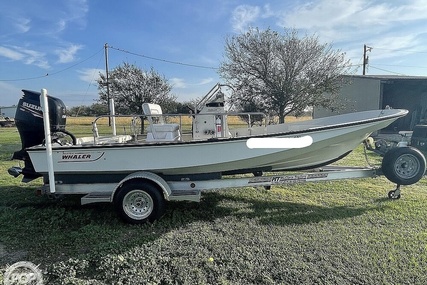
[[393, 195], [139, 202], [404, 165]]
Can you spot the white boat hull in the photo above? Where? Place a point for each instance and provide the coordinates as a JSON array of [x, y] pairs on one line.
[[332, 137]]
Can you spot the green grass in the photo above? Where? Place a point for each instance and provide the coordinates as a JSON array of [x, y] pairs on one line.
[[342, 232]]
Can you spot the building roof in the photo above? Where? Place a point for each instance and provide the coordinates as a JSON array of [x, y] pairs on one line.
[[390, 77]]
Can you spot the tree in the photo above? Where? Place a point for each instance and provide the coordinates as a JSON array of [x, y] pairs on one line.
[[182, 107], [130, 87], [95, 109], [282, 73]]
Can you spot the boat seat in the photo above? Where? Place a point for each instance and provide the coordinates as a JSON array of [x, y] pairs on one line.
[[103, 140], [158, 129]]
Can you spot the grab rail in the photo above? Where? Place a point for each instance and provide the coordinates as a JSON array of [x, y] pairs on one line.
[[134, 130]]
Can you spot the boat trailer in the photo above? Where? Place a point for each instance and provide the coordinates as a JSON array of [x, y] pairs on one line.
[[140, 196]]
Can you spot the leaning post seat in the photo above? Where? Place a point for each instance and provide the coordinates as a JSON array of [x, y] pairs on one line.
[[158, 130]]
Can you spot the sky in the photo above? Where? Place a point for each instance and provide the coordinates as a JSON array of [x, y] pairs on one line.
[[59, 45]]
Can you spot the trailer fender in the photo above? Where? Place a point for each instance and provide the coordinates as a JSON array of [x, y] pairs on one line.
[[145, 175]]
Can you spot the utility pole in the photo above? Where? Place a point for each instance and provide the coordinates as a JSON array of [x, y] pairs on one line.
[[107, 83], [365, 57]]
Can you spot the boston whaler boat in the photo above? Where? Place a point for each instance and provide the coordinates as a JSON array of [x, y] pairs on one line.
[[139, 171]]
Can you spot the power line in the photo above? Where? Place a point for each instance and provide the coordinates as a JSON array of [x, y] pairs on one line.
[[52, 73], [397, 73], [164, 60], [395, 65], [65, 69], [402, 50], [366, 49], [88, 86], [24, 79]]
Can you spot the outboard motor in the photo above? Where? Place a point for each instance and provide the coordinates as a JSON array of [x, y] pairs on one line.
[[29, 122]]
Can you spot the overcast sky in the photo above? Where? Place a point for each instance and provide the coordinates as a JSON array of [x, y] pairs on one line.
[[59, 45]]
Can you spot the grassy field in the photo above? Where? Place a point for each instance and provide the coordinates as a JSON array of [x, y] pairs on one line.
[[345, 232]]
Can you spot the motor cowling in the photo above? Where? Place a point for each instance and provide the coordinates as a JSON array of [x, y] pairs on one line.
[[29, 122], [29, 119]]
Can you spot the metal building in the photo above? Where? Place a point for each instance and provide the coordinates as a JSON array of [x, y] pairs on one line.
[[8, 112], [367, 92]]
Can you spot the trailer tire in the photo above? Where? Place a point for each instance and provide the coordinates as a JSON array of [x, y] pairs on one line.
[[404, 165], [392, 195], [139, 202]]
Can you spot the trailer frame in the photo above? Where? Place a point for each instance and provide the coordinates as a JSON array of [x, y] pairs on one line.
[[141, 195]]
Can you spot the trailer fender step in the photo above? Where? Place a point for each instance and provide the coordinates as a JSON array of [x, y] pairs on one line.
[[97, 197]]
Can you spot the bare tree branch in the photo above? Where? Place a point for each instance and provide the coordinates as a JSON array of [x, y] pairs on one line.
[[131, 86], [282, 73]]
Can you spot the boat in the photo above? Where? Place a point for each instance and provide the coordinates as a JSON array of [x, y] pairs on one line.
[[138, 171], [214, 148]]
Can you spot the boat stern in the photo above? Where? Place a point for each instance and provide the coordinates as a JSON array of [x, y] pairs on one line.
[[29, 122]]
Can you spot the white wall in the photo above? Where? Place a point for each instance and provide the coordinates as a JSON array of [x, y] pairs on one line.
[[8, 111]]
